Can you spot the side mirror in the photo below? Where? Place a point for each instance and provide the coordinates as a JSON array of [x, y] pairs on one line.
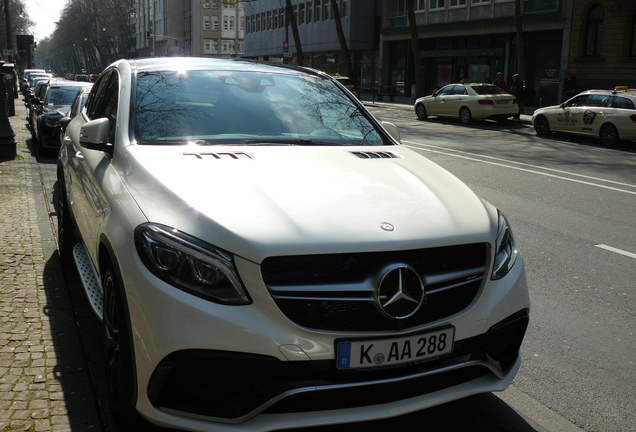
[[392, 130], [64, 121], [94, 135]]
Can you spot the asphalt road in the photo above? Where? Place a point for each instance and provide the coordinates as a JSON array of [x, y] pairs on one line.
[[571, 204]]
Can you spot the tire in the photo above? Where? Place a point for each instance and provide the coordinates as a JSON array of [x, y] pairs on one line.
[[65, 226], [420, 111], [609, 135], [118, 349], [465, 116], [541, 126]]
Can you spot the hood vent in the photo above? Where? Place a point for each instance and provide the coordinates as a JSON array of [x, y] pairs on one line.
[[375, 155], [224, 155]]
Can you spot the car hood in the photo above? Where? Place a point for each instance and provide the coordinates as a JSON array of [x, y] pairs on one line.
[[261, 201]]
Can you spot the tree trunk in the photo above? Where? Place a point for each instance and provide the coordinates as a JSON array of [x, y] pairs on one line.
[[343, 43], [291, 18], [521, 55], [415, 45]]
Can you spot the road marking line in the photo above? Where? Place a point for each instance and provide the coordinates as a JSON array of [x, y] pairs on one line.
[[533, 171], [615, 250]]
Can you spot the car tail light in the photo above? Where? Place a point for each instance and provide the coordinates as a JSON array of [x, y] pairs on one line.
[[633, 117], [485, 102], [515, 101]]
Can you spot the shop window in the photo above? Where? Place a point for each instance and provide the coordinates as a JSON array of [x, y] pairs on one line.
[[595, 31]]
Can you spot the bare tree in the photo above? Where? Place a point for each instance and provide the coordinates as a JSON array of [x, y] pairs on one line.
[[291, 19], [415, 45], [521, 55], [348, 68]]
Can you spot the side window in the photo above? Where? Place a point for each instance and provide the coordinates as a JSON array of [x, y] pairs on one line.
[[445, 91], [97, 96], [578, 101], [103, 101], [598, 100], [621, 102], [460, 90]]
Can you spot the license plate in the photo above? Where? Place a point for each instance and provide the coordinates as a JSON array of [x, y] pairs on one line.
[[395, 351], [502, 102]]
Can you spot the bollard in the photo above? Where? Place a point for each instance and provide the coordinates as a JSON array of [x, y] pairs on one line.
[[7, 136]]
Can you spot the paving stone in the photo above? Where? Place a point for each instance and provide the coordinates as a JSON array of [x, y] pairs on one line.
[[34, 393]]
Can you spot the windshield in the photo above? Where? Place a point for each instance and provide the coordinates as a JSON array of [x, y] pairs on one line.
[[62, 95], [228, 107]]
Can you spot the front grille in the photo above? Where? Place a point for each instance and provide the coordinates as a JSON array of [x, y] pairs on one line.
[[336, 292]]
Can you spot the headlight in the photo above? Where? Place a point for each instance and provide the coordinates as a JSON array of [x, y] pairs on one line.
[[189, 264], [505, 249]]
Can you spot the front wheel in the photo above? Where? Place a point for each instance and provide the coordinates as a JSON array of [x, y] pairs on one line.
[[541, 126], [420, 111], [465, 116], [119, 359], [609, 135]]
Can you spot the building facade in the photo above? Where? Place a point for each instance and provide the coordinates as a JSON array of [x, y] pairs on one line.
[[269, 36], [475, 39], [202, 28], [603, 44]]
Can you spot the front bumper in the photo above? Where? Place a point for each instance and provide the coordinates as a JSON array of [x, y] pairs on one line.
[[235, 387], [203, 366]]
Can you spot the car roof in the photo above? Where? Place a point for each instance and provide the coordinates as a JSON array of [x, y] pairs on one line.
[[631, 93], [71, 84], [218, 64]]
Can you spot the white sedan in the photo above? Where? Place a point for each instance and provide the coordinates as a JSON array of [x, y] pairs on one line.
[[468, 101], [609, 115]]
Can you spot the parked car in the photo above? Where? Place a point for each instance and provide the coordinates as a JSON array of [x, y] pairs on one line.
[[609, 115], [25, 77], [468, 101], [346, 81], [53, 104], [263, 253], [76, 107]]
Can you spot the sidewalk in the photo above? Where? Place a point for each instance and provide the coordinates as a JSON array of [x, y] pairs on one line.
[[44, 382]]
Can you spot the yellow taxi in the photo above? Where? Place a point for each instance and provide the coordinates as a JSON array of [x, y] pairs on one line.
[[609, 115]]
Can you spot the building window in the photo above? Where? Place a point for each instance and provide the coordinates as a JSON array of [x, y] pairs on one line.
[[595, 31], [210, 46], [215, 23], [227, 46], [344, 8], [480, 1], [206, 5], [232, 23], [457, 3], [309, 8], [206, 22], [215, 4], [439, 4], [301, 13], [318, 10]]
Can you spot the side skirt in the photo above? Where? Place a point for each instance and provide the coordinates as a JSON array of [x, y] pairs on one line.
[[90, 279]]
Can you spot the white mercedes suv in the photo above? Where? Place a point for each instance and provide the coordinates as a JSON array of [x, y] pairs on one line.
[[264, 254]]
